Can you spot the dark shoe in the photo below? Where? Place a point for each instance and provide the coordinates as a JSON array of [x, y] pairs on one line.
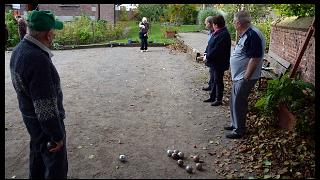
[[206, 89], [229, 128], [216, 103], [233, 136], [209, 100]]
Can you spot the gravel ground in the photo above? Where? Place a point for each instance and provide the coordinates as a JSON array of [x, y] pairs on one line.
[[122, 101]]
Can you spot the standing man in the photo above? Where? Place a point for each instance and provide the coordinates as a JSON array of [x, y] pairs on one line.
[[37, 84], [217, 57], [246, 65], [143, 34], [22, 27]]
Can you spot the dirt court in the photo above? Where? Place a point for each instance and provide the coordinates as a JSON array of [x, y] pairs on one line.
[[122, 101]]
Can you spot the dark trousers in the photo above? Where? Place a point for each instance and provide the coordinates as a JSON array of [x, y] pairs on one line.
[[44, 164], [144, 41], [211, 79], [217, 86]]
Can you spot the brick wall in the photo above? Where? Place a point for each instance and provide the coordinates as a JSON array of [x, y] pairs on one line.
[[106, 12], [68, 9], [287, 42]]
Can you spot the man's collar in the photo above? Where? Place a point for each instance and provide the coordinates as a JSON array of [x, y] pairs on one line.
[[240, 36], [38, 43]]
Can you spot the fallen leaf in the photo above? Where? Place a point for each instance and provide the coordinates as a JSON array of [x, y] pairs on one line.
[[282, 171], [267, 176], [91, 156], [266, 170], [267, 163]]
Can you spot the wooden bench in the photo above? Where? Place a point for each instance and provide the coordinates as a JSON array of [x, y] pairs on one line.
[[273, 66]]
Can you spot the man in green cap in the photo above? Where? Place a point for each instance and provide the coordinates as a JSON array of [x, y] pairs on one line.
[[37, 84]]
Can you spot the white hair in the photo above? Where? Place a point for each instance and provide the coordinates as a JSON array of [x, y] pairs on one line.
[[144, 19]]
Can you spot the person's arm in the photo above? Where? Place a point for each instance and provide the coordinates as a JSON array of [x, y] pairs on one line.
[[252, 65], [254, 52], [141, 25], [215, 47], [42, 90]]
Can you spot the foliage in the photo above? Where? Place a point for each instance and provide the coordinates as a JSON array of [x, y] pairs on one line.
[[265, 28], [83, 30], [12, 27], [180, 14], [259, 13], [152, 12], [295, 94], [123, 15], [203, 14], [295, 9]]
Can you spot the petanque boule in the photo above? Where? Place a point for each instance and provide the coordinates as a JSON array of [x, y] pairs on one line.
[[169, 153], [180, 162], [189, 169], [175, 156], [196, 158], [176, 151], [123, 158], [181, 155], [51, 145], [199, 166]]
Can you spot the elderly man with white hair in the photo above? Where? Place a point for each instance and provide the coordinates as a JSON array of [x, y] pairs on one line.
[[143, 34], [246, 65]]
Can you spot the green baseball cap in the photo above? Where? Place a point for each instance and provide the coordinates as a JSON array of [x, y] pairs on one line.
[[43, 21]]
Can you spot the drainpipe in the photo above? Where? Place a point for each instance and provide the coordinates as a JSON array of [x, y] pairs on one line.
[[114, 15], [98, 12]]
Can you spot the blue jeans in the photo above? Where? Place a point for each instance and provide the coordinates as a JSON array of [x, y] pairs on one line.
[[44, 164]]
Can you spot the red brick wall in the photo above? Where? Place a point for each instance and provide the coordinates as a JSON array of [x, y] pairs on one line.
[[106, 12], [67, 10], [287, 42]]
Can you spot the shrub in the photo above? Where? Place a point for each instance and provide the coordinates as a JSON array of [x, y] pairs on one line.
[[152, 12], [180, 14], [83, 30], [295, 9], [296, 94], [203, 14], [12, 27], [265, 28]]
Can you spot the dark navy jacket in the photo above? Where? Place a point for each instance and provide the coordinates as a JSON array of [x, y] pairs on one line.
[[218, 50], [37, 84]]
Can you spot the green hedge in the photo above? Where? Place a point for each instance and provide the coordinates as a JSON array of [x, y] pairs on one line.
[[203, 14], [83, 30]]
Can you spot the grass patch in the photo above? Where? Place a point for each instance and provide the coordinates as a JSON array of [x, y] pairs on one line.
[[155, 33]]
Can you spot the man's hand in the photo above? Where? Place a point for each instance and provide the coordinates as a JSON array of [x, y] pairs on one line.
[[58, 147], [205, 58]]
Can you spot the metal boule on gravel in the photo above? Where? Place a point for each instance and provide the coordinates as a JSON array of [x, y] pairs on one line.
[[180, 162], [169, 153], [176, 151], [175, 156], [189, 169], [181, 155], [196, 158], [123, 158], [199, 166]]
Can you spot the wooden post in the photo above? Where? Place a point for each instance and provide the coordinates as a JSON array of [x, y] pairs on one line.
[[303, 49]]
